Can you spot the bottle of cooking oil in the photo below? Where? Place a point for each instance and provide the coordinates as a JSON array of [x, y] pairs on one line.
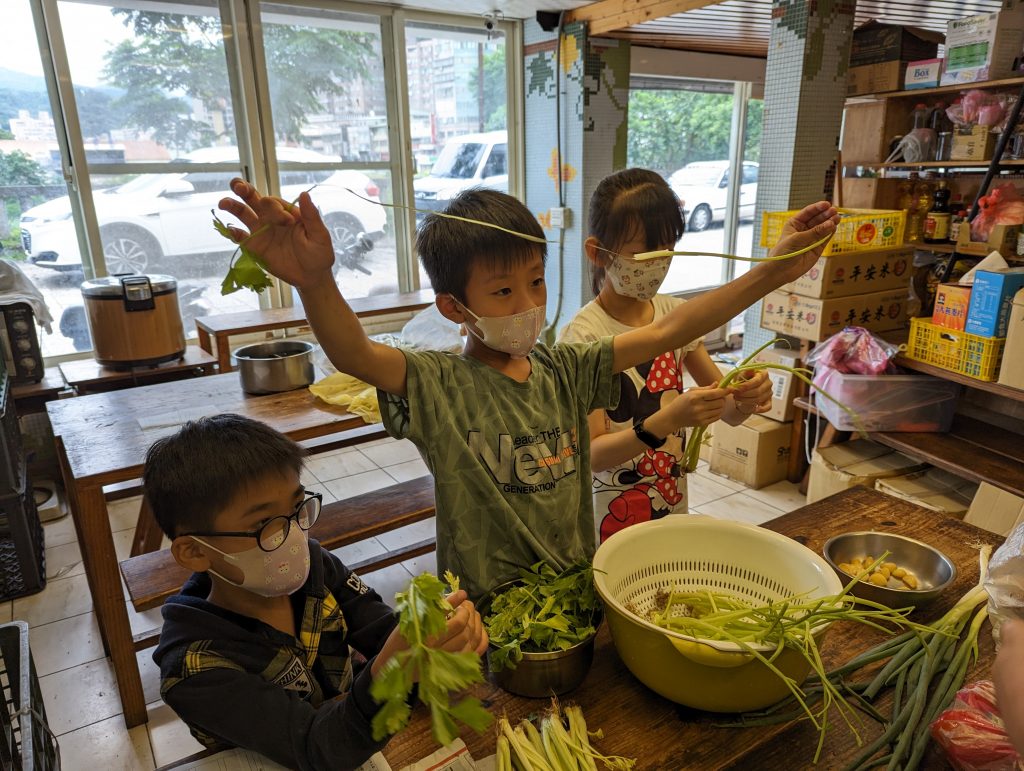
[[923, 200], [908, 200]]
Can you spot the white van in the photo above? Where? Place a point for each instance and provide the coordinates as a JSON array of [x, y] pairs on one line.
[[472, 160]]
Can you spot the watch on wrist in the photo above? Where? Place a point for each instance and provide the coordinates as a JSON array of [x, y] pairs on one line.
[[646, 436]]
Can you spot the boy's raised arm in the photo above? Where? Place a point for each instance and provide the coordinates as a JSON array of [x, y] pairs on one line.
[[296, 247], [715, 308]]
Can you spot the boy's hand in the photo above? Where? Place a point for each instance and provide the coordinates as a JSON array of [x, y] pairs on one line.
[[752, 393], [699, 406], [810, 224], [465, 630], [292, 240]]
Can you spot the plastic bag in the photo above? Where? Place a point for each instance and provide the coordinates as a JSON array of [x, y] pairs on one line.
[[854, 351], [349, 392], [1003, 206], [972, 733], [980, 108], [428, 330], [1005, 582]]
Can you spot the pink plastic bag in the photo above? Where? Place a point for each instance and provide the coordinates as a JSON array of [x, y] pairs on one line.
[[971, 731], [854, 351]]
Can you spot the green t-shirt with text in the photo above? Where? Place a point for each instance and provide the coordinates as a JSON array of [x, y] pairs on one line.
[[511, 461]]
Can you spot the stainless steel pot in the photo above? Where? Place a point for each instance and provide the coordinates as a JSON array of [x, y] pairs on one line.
[[281, 365]]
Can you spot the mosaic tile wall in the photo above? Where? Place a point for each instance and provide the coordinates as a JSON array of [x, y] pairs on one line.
[[805, 87], [594, 80]]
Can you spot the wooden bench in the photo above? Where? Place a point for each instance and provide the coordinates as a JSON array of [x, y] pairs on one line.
[[221, 327], [152, 578]]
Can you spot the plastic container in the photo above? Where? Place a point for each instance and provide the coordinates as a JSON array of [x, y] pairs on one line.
[[859, 229], [967, 354], [694, 553], [26, 742], [916, 403]]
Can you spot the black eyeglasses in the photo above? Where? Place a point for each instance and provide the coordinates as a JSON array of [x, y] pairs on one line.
[[275, 531]]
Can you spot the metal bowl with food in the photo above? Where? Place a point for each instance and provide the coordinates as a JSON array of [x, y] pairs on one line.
[[540, 674], [913, 573], [281, 365]]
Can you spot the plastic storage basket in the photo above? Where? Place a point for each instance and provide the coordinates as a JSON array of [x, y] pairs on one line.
[[22, 550], [26, 742], [957, 351], [918, 403], [859, 229], [694, 552]]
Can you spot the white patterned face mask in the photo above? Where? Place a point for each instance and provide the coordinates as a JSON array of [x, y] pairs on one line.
[[270, 573], [639, 279], [515, 335]]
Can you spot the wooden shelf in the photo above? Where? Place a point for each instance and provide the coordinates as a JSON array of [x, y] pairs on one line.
[[1006, 82], [952, 165], [926, 247], [982, 385]]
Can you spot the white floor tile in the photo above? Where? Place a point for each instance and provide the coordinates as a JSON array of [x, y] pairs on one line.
[[359, 551], [703, 489], [411, 469], [359, 484], [426, 563], [80, 696], [169, 736], [123, 544], [145, 621], [783, 495], [344, 464], [64, 560], [59, 532], [387, 581], [742, 508], [705, 472], [124, 513], [66, 643], [397, 451], [150, 674], [328, 496], [62, 598], [307, 477], [107, 744], [409, 534]]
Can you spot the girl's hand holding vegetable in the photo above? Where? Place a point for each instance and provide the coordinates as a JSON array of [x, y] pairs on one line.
[[292, 240], [812, 223], [752, 393], [464, 633], [700, 406]]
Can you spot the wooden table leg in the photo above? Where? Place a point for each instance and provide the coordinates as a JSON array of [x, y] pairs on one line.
[[148, 535], [204, 339], [93, 522], [223, 354]]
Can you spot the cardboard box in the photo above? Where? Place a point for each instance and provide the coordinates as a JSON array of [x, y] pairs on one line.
[[933, 489], [754, 453], [858, 462], [995, 510], [850, 273], [992, 301], [1012, 371], [926, 73], [1002, 239], [974, 144], [811, 318], [880, 54], [951, 304], [783, 383], [875, 78], [984, 47]]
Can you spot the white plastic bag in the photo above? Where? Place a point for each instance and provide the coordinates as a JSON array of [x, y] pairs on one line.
[[428, 330], [1005, 582]]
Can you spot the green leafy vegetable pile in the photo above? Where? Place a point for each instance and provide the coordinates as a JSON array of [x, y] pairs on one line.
[[423, 613], [547, 611]]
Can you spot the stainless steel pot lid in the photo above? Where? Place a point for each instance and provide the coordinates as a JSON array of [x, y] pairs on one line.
[[111, 286]]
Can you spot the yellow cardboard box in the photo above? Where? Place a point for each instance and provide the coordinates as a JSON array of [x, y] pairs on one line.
[[951, 304], [754, 453], [849, 273], [811, 318]]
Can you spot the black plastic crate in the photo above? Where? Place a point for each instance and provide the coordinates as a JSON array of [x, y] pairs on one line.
[[26, 741], [22, 549], [12, 452]]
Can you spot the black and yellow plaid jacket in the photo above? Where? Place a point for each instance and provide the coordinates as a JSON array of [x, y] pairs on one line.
[[236, 681]]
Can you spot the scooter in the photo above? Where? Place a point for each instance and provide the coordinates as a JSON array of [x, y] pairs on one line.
[[353, 254], [73, 323]]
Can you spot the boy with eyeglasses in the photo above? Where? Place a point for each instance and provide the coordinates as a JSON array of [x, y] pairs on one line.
[[255, 652]]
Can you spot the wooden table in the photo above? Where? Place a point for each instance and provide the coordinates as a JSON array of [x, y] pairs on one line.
[[663, 735], [100, 441], [88, 376], [222, 326]]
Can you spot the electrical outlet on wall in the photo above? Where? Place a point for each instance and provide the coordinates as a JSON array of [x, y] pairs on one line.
[[561, 217]]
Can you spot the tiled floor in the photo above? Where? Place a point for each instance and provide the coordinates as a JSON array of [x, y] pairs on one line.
[[78, 684]]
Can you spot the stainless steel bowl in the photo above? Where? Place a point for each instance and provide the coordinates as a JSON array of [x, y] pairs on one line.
[[541, 675], [933, 569], [281, 365]]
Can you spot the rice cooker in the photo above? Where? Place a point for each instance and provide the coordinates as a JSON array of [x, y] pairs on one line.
[[134, 320]]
